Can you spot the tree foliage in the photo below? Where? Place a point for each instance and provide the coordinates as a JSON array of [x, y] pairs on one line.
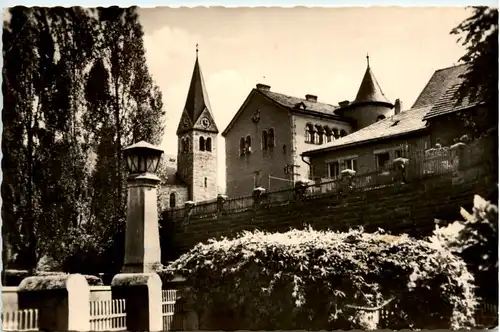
[[479, 34], [475, 239], [307, 278], [76, 91]]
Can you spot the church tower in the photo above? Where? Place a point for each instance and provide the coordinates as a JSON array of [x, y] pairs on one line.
[[197, 141], [370, 105]]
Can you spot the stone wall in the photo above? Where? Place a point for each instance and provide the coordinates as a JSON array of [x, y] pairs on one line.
[[410, 208]]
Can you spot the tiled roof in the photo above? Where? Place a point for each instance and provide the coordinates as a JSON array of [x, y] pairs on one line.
[[399, 124], [369, 90], [197, 99], [293, 103], [441, 81], [170, 171], [448, 103]]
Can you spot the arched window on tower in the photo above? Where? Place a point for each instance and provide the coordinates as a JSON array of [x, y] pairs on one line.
[[172, 202], [206, 182], [242, 146], [270, 138], [343, 133], [208, 144], [188, 144], [264, 139], [202, 143]]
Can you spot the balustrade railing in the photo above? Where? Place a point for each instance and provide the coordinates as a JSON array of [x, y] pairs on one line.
[[108, 315], [20, 320], [421, 164], [172, 311]]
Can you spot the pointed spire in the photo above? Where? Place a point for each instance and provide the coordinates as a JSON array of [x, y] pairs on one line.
[[369, 90], [197, 99]]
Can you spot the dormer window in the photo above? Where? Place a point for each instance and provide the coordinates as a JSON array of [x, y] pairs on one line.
[[300, 106]]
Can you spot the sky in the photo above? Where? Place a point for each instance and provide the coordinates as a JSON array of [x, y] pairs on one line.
[[297, 51]]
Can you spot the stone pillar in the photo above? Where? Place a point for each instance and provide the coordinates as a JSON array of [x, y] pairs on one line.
[[143, 297], [457, 153], [400, 165], [257, 195], [300, 189], [221, 199], [142, 240], [63, 301], [347, 179]]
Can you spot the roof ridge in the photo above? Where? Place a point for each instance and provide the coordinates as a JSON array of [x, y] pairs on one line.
[[302, 99], [449, 67]]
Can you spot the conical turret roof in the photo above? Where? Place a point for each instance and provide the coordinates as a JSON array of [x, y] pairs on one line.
[[369, 91]]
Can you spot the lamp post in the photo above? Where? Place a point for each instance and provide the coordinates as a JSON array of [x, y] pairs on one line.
[[142, 239]]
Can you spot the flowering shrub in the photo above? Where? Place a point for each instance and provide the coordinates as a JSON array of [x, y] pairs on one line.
[[475, 239], [315, 279]]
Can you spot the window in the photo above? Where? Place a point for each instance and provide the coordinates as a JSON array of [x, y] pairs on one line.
[[343, 133], [242, 146], [398, 153], [336, 133], [206, 180], [308, 136], [202, 143], [380, 117], [248, 144], [208, 144], [270, 138], [172, 200], [382, 159], [333, 169], [320, 138], [351, 164], [328, 138], [264, 139], [284, 148], [313, 137]]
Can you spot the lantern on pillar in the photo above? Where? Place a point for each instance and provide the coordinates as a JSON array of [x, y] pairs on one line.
[[142, 238], [142, 157]]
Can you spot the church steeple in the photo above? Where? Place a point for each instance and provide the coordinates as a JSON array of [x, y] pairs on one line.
[[197, 104], [369, 91]]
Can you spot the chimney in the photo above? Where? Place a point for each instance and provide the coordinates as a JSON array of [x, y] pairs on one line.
[[263, 87], [312, 98], [344, 103], [398, 106]]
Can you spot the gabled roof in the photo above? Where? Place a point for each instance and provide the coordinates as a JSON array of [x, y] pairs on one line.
[[404, 123], [448, 103], [292, 104], [441, 81], [197, 100]]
